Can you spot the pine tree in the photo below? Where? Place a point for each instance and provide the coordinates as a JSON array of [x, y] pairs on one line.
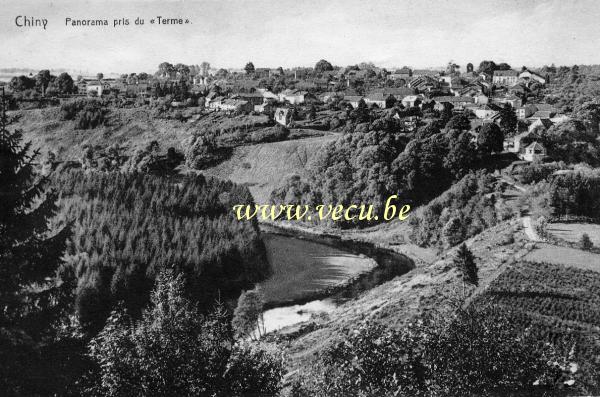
[[32, 298], [464, 261]]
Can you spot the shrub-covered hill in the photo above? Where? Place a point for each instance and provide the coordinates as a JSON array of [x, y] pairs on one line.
[[127, 227]]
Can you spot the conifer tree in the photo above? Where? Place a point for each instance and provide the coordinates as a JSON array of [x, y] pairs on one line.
[[32, 298], [464, 261]]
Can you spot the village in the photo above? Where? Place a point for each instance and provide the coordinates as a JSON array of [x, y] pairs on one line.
[[301, 93]]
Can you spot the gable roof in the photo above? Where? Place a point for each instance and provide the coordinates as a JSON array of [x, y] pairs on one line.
[[542, 114], [535, 145], [378, 96], [352, 98]]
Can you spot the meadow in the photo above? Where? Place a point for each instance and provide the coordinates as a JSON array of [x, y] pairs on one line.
[[572, 232]]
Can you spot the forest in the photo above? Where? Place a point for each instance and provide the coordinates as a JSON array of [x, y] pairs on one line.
[[376, 158], [126, 228]]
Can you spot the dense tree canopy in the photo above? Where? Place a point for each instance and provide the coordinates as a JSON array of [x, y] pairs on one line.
[[128, 227]]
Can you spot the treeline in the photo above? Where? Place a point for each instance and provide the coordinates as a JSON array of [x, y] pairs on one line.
[[128, 227], [466, 209]]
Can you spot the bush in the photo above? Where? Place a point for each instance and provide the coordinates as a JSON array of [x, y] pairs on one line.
[[585, 242], [270, 134], [88, 113], [202, 152]]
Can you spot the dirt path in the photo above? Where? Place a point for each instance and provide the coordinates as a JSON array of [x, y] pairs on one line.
[[526, 220], [529, 229]]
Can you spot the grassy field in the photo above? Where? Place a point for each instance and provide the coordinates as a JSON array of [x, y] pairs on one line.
[[566, 256], [572, 232], [302, 267], [265, 166]]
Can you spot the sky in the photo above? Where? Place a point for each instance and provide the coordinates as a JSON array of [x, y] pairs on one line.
[[288, 33]]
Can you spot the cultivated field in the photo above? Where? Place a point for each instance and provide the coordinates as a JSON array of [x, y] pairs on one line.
[[558, 303]]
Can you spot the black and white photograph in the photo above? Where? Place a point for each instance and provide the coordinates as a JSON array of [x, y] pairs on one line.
[[299, 198]]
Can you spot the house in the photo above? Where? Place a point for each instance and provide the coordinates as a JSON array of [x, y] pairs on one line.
[[255, 98], [540, 125], [264, 107], [457, 101], [214, 102], [528, 76], [446, 80], [521, 141], [411, 101], [534, 152], [481, 99], [542, 114], [525, 111], [329, 96], [283, 116], [425, 72], [292, 96], [268, 94], [505, 77], [424, 83], [381, 100], [401, 74], [353, 100], [514, 101], [235, 105], [398, 92], [486, 111], [97, 86]]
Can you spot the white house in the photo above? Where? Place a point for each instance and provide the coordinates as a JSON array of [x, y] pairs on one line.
[[292, 96], [540, 125], [283, 116], [529, 76], [411, 101], [97, 86], [381, 100], [485, 112], [505, 77], [534, 152]]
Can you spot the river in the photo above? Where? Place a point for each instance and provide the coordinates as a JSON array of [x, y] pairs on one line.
[[313, 274]]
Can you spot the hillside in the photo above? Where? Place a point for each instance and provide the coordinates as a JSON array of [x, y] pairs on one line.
[[264, 166], [132, 129], [424, 289]]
